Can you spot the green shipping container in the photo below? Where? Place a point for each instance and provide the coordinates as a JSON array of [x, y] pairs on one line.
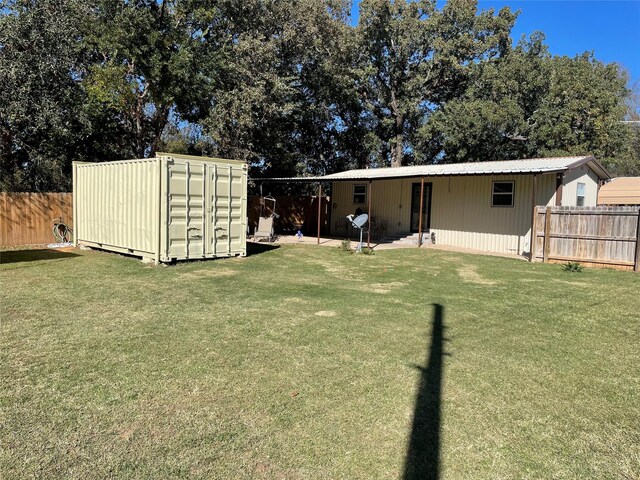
[[172, 207]]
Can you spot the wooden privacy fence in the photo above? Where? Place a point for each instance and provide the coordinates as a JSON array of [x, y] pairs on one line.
[[294, 213], [593, 236], [26, 218]]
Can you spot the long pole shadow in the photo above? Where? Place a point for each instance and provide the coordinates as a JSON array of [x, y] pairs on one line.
[[423, 453]]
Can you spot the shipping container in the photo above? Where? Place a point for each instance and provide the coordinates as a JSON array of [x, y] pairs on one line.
[[172, 207]]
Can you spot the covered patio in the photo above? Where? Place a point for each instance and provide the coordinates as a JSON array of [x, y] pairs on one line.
[[375, 230]]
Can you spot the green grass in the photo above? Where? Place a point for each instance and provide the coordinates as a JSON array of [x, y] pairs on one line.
[[305, 362]]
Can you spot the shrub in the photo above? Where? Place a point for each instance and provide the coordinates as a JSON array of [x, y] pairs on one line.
[[345, 245], [367, 251], [573, 267]]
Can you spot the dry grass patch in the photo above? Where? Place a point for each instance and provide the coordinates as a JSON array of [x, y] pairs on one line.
[[469, 274], [209, 273]]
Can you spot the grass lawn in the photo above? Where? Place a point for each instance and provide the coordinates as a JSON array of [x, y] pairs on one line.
[[310, 363]]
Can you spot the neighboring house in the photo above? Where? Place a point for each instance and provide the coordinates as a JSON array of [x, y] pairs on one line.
[[482, 205], [620, 191]]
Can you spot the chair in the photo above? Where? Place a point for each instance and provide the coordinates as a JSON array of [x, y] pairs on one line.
[[264, 230]]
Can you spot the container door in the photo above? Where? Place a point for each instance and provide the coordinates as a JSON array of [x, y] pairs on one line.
[[227, 200], [187, 220], [220, 209]]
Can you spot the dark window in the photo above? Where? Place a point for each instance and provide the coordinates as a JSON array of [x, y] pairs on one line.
[[359, 194], [502, 194]]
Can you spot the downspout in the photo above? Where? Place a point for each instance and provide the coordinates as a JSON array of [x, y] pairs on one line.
[[533, 219]]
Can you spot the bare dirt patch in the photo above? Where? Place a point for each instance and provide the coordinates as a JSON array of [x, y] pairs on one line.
[[325, 313]]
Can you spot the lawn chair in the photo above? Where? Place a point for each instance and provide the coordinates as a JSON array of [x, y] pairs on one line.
[[264, 230]]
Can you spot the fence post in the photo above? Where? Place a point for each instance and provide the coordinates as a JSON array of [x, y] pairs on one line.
[[636, 262], [319, 210], [74, 210], [547, 233]]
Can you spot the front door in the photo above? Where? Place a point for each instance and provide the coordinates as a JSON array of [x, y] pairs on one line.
[[415, 207]]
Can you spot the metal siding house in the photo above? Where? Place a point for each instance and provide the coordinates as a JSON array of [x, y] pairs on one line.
[[482, 206]]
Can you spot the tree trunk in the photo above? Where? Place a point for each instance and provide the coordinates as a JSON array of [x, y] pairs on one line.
[[398, 139], [139, 129], [160, 121]]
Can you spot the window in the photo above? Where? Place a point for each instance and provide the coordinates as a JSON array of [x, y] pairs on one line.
[[580, 195], [359, 194], [502, 194]]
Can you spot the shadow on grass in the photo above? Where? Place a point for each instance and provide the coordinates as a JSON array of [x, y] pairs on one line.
[[254, 248], [423, 453], [19, 256]]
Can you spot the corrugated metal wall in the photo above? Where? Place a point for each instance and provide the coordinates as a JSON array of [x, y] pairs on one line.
[[171, 207], [582, 174], [465, 218], [461, 209], [116, 204]]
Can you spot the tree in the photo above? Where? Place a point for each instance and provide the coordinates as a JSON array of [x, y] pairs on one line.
[[147, 63], [530, 104], [582, 110], [493, 118], [291, 87], [416, 56], [629, 164], [42, 119], [278, 87]]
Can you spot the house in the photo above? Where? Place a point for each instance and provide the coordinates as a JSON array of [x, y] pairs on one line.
[[484, 206], [620, 191]]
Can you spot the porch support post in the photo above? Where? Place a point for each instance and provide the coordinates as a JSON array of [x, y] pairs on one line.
[[369, 211], [319, 210], [534, 215], [420, 217], [559, 182]]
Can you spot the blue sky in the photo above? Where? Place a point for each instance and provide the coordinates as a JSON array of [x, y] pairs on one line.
[[609, 28]]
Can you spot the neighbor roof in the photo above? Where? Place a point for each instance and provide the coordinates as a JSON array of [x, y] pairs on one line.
[[620, 191], [525, 166]]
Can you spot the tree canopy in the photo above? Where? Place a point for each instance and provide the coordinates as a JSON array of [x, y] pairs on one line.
[[293, 87]]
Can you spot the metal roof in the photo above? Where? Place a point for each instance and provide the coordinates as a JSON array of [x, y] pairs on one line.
[[502, 167]]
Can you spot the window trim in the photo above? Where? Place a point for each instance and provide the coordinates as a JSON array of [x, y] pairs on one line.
[[512, 193], [363, 194], [584, 193]]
